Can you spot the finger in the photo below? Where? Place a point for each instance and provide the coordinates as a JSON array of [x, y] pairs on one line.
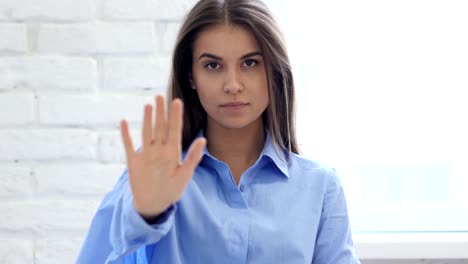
[[127, 141], [147, 135], [161, 121], [191, 161], [174, 136]]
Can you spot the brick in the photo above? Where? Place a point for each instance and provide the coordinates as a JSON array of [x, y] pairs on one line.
[[64, 10], [15, 181], [48, 72], [57, 250], [97, 38], [13, 37], [47, 144], [16, 109], [83, 179], [110, 146], [18, 251], [103, 109], [168, 35], [44, 215], [147, 9], [136, 74]]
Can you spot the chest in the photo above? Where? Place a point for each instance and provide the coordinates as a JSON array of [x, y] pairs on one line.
[[259, 222]]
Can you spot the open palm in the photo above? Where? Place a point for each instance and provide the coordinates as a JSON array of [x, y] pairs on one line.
[[157, 175]]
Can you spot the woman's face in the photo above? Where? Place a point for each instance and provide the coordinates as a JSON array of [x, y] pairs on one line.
[[229, 75]]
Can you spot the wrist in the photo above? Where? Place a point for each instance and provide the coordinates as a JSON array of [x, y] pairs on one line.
[[152, 219]]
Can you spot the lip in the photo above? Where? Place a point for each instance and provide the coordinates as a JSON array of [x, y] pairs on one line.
[[233, 106]]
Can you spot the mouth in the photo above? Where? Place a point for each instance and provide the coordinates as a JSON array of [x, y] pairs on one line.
[[233, 106]]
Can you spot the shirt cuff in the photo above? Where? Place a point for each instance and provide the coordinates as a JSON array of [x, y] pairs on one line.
[[161, 218], [137, 232], [163, 223]]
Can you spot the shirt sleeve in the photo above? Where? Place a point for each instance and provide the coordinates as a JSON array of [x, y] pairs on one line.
[[118, 230], [334, 244]]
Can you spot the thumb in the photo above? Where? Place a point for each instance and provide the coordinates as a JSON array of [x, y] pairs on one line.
[[194, 155]]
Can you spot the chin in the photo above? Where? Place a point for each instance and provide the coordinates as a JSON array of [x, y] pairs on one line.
[[236, 124]]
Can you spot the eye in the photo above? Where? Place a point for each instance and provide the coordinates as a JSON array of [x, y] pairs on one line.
[[250, 63], [212, 66]]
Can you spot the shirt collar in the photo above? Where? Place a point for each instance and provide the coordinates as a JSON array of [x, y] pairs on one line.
[[278, 158]]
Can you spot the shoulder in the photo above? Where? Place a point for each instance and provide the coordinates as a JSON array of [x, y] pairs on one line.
[[300, 162], [306, 169]]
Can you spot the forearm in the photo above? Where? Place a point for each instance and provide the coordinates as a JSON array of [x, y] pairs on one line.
[[117, 230]]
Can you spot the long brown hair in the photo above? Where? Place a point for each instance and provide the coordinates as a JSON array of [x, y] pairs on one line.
[[279, 117]]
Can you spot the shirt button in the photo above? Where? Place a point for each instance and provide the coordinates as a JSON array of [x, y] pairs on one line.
[[241, 188]]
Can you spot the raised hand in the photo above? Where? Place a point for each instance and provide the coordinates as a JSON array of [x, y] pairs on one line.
[[157, 175]]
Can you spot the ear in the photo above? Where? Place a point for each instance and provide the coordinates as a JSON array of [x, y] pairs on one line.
[[192, 83]]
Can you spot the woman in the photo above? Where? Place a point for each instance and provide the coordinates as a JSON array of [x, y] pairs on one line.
[[227, 185]]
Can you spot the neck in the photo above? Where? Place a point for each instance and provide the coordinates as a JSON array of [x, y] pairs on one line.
[[237, 147]]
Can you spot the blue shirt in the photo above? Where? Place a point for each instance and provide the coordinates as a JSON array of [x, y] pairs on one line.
[[286, 209]]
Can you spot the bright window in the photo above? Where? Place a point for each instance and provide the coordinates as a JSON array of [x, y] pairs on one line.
[[383, 97]]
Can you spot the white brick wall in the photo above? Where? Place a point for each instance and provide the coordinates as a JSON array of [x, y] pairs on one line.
[[28, 144], [13, 37], [16, 250], [127, 74], [47, 10], [21, 104], [89, 109], [97, 38], [146, 9], [15, 181], [69, 71], [39, 72]]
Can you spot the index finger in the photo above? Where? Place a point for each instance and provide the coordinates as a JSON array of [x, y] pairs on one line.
[[127, 141]]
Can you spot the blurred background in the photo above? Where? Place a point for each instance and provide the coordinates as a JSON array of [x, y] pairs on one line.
[[381, 89]]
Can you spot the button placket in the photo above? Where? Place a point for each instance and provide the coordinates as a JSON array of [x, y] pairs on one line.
[[237, 228]]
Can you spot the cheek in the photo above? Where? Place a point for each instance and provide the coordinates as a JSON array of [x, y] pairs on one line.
[[261, 79], [206, 81], [206, 96], [208, 88]]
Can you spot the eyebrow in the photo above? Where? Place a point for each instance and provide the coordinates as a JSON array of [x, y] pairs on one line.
[[212, 56]]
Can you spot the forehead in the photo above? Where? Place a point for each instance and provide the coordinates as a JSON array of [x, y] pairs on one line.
[[225, 41]]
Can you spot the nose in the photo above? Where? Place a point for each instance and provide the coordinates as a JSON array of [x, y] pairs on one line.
[[233, 82]]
